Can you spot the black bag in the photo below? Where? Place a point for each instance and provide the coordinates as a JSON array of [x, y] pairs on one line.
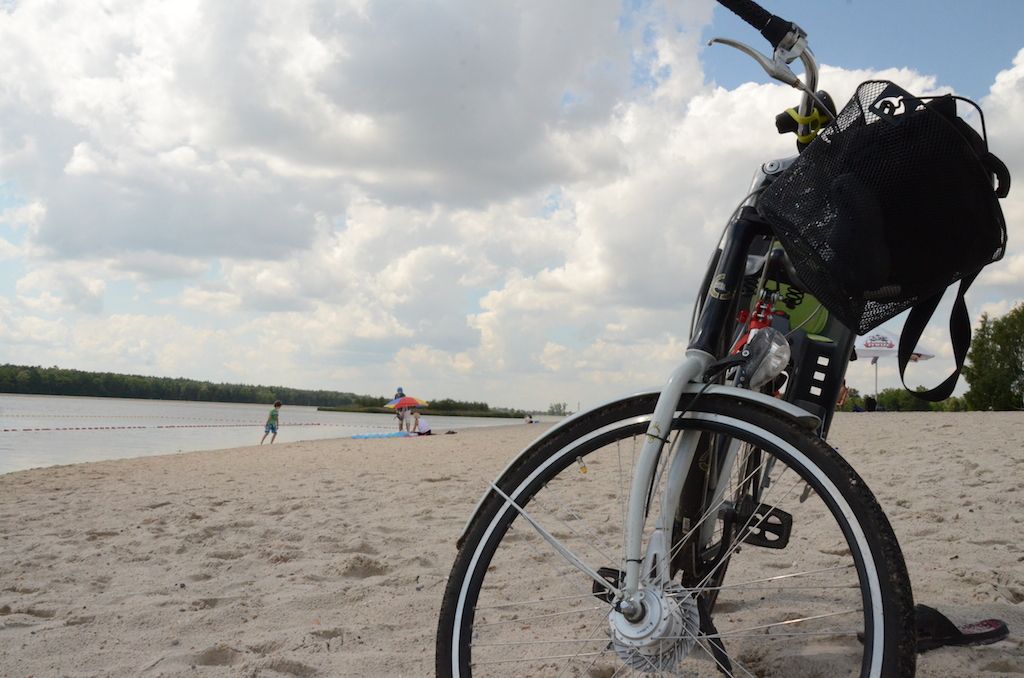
[[887, 207]]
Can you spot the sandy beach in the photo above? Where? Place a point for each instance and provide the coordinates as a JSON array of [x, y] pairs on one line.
[[328, 558]]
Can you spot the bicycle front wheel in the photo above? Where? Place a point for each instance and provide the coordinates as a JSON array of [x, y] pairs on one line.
[[796, 572]]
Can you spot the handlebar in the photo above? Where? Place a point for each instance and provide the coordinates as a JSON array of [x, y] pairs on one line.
[[789, 43]]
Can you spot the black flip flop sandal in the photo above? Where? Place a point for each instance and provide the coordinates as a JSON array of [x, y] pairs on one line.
[[934, 630]]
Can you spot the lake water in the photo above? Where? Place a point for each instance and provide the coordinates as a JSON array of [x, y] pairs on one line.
[[47, 430]]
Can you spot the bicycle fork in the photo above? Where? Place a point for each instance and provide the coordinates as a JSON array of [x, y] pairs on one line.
[[658, 430]]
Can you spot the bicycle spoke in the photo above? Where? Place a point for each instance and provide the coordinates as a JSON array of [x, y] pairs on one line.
[[584, 642], [569, 556], [788, 575], [519, 660], [520, 620], [788, 622], [702, 644], [536, 601], [527, 643]]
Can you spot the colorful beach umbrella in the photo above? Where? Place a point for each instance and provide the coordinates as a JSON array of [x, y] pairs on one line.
[[882, 343], [406, 401]]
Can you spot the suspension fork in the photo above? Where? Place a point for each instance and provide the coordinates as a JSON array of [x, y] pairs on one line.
[[714, 319]]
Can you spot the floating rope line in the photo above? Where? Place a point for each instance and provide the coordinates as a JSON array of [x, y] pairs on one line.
[[165, 426], [31, 415]]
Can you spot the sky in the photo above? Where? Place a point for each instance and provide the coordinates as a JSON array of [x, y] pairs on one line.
[[509, 202]]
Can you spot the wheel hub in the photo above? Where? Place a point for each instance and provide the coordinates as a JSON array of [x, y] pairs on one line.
[[663, 636]]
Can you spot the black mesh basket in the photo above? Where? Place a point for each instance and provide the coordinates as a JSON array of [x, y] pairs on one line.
[[891, 204]]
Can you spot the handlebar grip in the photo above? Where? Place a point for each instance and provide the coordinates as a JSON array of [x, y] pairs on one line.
[[748, 10], [786, 124], [772, 27]]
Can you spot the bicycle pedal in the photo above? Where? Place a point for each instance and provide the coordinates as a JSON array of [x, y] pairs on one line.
[[769, 527], [613, 577]]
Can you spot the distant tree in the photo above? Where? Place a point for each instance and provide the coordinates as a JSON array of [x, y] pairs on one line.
[[995, 363], [953, 404], [459, 406], [901, 400], [366, 401], [559, 409]]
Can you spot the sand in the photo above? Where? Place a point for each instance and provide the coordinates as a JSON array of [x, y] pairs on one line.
[[328, 558]]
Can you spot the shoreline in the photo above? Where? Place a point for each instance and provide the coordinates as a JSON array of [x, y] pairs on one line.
[[41, 431], [354, 438], [328, 557]]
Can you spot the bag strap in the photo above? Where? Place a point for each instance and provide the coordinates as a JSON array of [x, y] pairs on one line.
[[1002, 174], [959, 334]]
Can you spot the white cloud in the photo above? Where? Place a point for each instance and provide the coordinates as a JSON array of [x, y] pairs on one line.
[[25, 334], [150, 344], [83, 160], [152, 266], [554, 357], [52, 290], [997, 309], [511, 203], [27, 216], [1009, 271], [8, 250], [209, 301]]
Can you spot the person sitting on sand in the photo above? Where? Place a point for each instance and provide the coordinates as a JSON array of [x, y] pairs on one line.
[[420, 426], [271, 425]]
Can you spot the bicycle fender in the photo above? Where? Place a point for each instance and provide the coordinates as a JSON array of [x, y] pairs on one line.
[[787, 410]]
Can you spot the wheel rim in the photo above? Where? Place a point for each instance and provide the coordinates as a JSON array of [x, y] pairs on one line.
[[778, 609]]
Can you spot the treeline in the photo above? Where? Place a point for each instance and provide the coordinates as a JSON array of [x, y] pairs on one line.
[[58, 381], [470, 408], [442, 407], [902, 400]]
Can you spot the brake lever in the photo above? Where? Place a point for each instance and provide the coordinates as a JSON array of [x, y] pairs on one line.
[[776, 67]]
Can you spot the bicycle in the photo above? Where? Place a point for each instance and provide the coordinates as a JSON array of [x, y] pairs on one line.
[[706, 528]]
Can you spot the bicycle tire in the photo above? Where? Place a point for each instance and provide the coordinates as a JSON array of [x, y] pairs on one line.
[[877, 571]]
